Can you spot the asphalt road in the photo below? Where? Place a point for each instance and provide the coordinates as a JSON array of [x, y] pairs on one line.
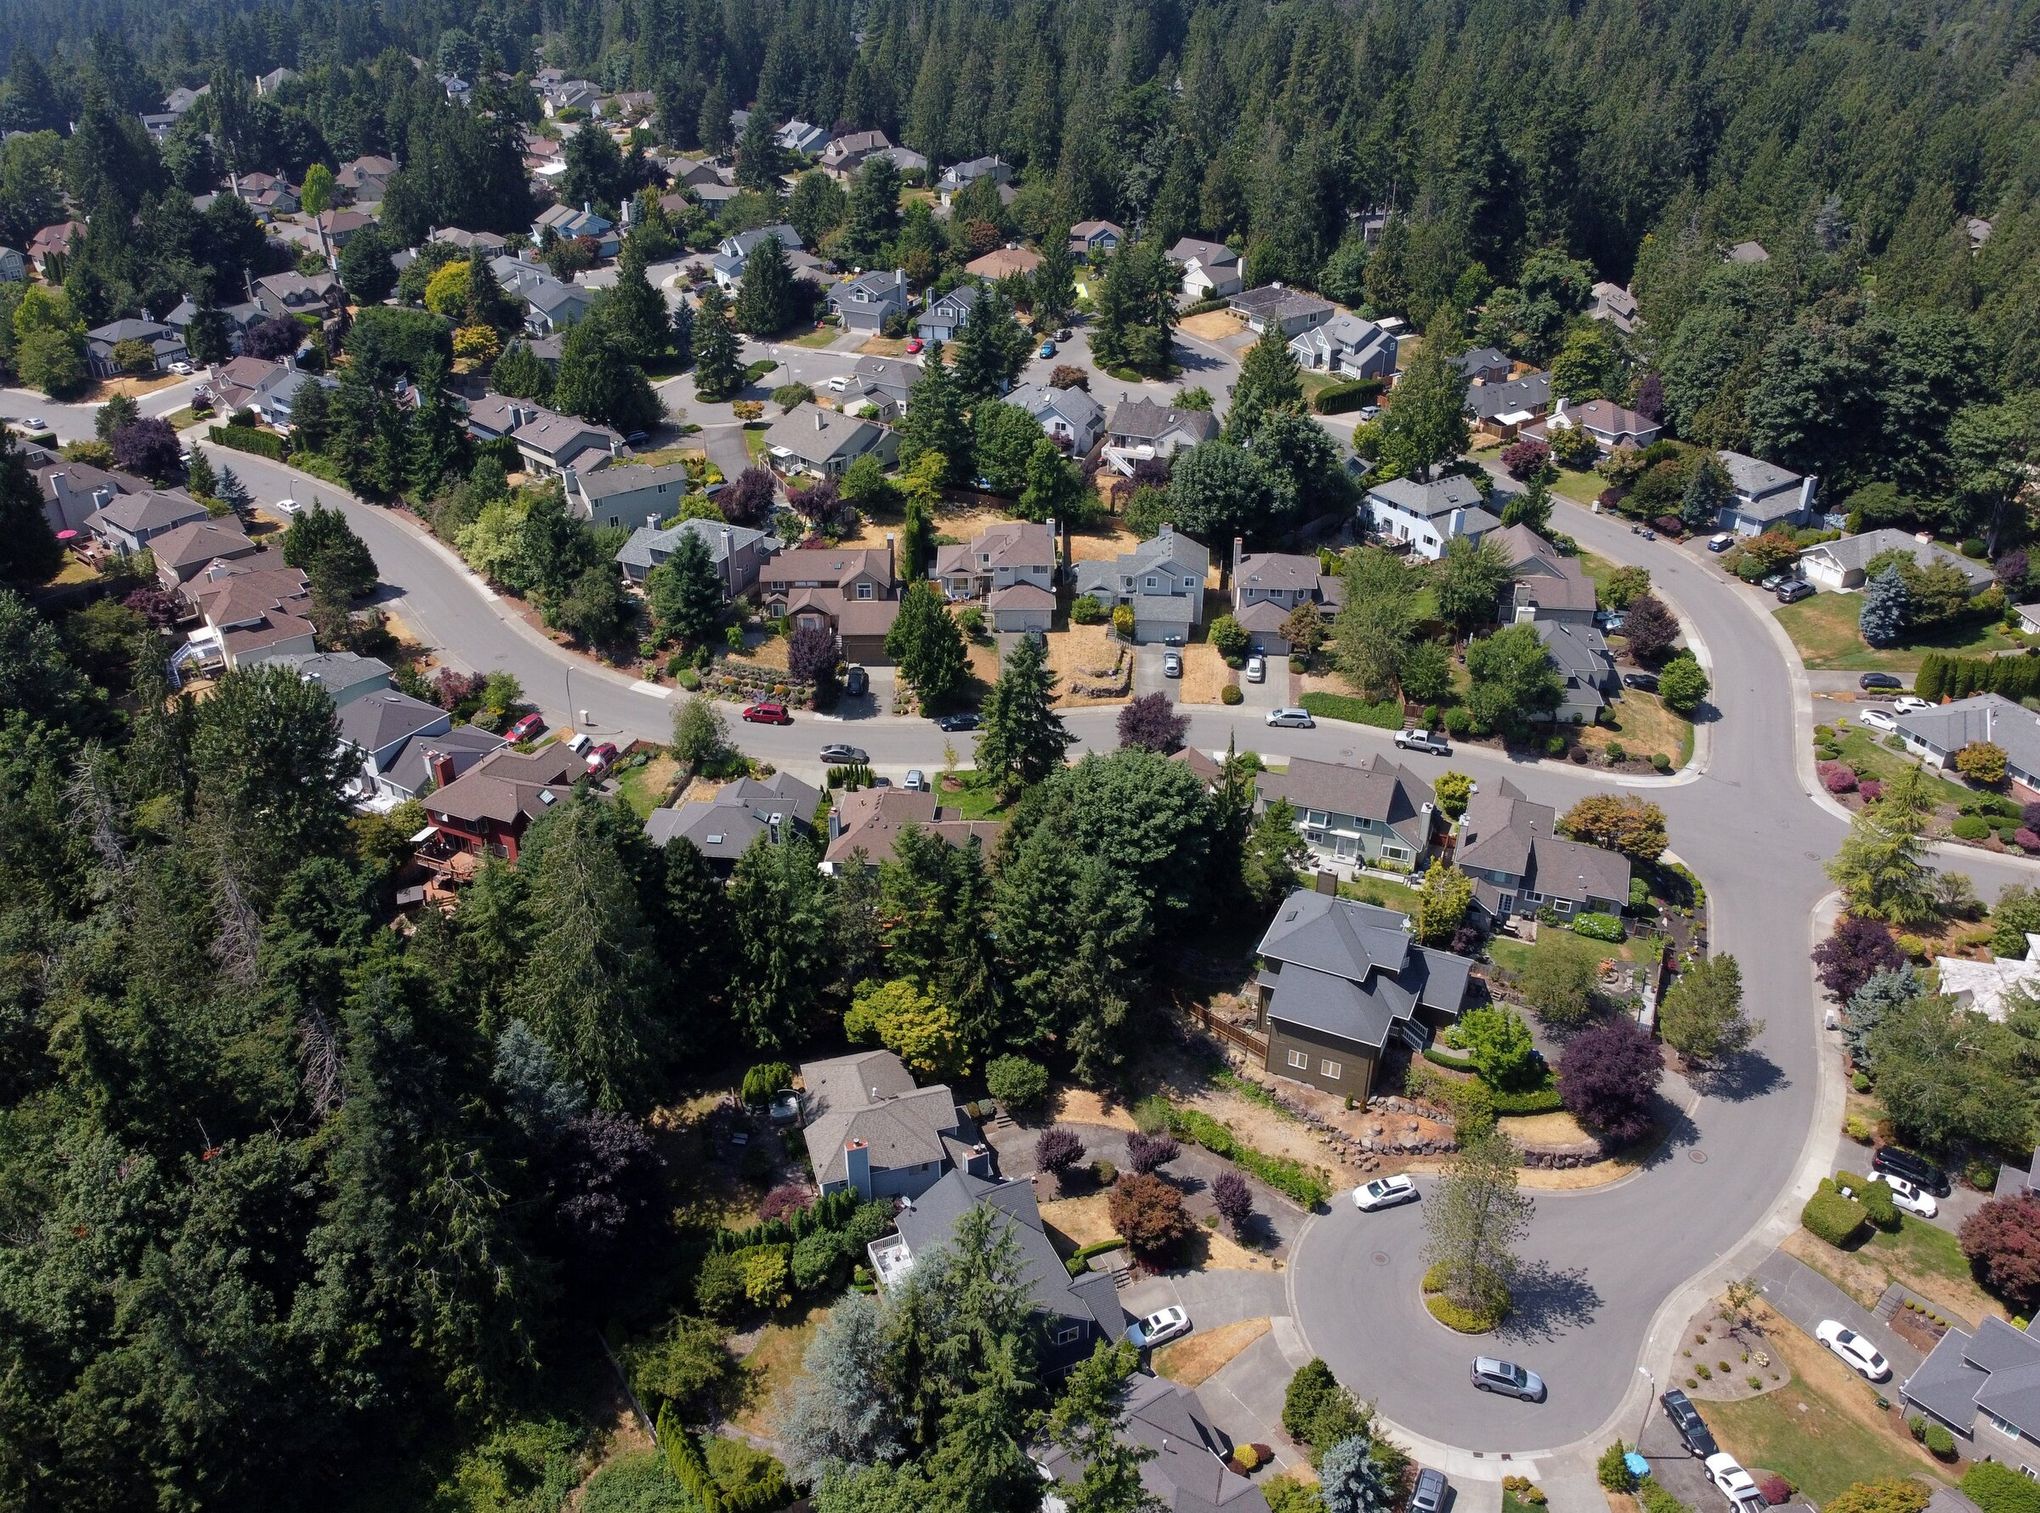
[[73, 422]]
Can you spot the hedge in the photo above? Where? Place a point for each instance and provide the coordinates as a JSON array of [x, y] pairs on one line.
[[1969, 828], [683, 1454], [1542, 1100], [1875, 1198], [1655, 1499], [1832, 1217], [1076, 1266], [1998, 1488], [1202, 307], [1304, 1184], [248, 439], [1338, 398], [1446, 1059], [1597, 926], [832, 1212], [1386, 715]]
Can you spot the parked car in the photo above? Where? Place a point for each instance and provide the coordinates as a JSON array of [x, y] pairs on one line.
[[1610, 620], [601, 756], [181, 368], [528, 727], [1693, 1431], [1907, 703], [1907, 1195], [1872, 680], [1878, 719], [1770, 583], [856, 682], [916, 781], [1643, 682], [1257, 670], [836, 754], [579, 742], [1370, 412], [1158, 1328], [839, 383], [913, 344], [1423, 740], [36, 423], [954, 722], [1917, 1170], [283, 507], [1793, 591], [1720, 543], [1048, 349], [1296, 718], [1734, 1483], [1430, 1493], [1491, 1375], [1384, 1192], [1172, 664], [767, 713]]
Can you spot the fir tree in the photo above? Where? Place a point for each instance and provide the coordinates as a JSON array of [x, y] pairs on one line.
[[1269, 381], [928, 647], [521, 374], [1023, 739], [718, 363], [934, 421], [767, 302]]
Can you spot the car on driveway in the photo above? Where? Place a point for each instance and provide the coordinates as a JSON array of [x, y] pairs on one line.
[[1693, 1431], [1720, 543], [913, 344], [181, 368], [1172, 664], [836, 754], [1257, 670], [954, 722], [767, 714], [916, 781], [1048, 349], [1384, 1192], [527, 728], [1770, 583], [1298, 719], [1907, 703], [600, 757], [1642, 682], [1734, 1483], [1907, 1196], [1159, 1328], [1878, 719], [1917, 1170], [1491, 1375], [856, 682], [1429, 1495], [1428, 741], [1792, 591], [1875, 680], [1856, 1352]]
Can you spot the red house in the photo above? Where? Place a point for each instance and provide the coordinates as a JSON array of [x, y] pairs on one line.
[[486, 810]]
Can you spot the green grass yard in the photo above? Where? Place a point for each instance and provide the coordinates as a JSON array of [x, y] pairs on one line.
[[1865, 751], [815, 339], [977, 799], [1806, 1436], [1823, 628], [1580, 488], [1381, 892], [1512, 955], [1918, 1248], [754, 442]]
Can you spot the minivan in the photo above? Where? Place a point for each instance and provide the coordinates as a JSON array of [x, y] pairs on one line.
[[1917, 1170]]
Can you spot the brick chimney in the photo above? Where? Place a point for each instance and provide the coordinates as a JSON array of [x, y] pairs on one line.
[[1239, 550], [441, 766]]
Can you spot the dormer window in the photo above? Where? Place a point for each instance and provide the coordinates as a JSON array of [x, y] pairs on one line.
[[864, 590]]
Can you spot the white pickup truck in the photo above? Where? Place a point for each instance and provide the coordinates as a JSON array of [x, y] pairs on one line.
[[1423, 740]]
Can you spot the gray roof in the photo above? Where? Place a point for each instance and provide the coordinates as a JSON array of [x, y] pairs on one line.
[[1428, 501], [1755, 478], [1171, 552], [816, 435], [1278, 302], [893, 375], [1205, 254], [152, 332], [152, 511], [378, 719], [1983, 717], [1543, 577], [1144, 420], [607, 483], [1504, 832], [744, 243], [648, 545], [1074, 405], [1346, 333], [871, 1097], [1381, 790], [1284, 572], [724, 826], [879, 286], [1578, 651], [1351, 969], [1186, 1468], [465, 745], [1997, 1369], [1479, 359], [963, 297], [1530, 392], [1852, 552], [334, 671]]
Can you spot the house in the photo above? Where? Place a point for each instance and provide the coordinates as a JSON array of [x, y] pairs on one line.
[[249, 613], [1003, 262], [275, 79], [801, 137], [867, 302], [2019, 1181], [1485, 365], [866, 822], [13, 265], [184, 551], [737, 551], [572, 94], [1547, 585], [1347, 345], [1011, 566], [243, 383], [722, 828], [378, 726], [1338, 980], [1211, 270], [1291, 311], [1841, 566], [240, 317], [1935, 735], [629, 496], [1766, 495], [1162, 579], [564, 221], [1074, 1312], [1427, 515], [1746, 252], [1094, 239], [487, 809], [1991, 988], [551, 304], [1070, 418], [342, 226], [1985, 1387], [1608, 423], [844, 155], [48, 248], [1614, 304], [1519, 864], [1585, 667], [871, 1130], [955, 180], [165, 346], [128, 522], [1141, 429], [294, 294], [733, 253], [474, 243], [1185, 1466], [269, 196], [1503, 409], [1268, 587], [851, 592], [1379, 813], [809, 439], [280, 402], [947, 314], [2029, 618], [879, 388], [72, 492], [343, 675], [545, 439]]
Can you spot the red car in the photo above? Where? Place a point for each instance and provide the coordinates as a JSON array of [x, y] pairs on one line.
[[600, 758], [913, 344], [527, 727], [767, 714]]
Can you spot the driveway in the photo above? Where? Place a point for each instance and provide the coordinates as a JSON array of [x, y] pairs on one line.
[[1272, 692], [1806, 1297], [1148, 676]]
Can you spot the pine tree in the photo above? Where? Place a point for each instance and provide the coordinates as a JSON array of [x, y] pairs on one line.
[[779, 901], [934, 421], [1055, 284], [767, 302], [636, 312], [1023, 739], [1929, 681], [1086, 1422], [757, 154], [521, 374], [684, 593], [718, 364], [1269, 381], [1426, 426], [437, 446], [1886, 602], [29, 552], [596, 383], [927, 645], [1707, 493]]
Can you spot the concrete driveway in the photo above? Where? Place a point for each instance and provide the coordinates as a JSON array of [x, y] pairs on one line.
[[1806, 1297], [1272, 692], [1147, 672]]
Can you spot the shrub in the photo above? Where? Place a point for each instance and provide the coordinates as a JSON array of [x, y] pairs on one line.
[[1597, 926], [1613, 1471], [1016, 1082], [787, 1198], [1939, 1442], [1458, 723], [1235, 1200], [1838, 777], [1058, 1150], [1338, 398], [1306, 1185], [718, 1286], [1832, 1217], [1982, 762], [1655, 1499], [1776, 1489], [1870, 790], [1145, 1152], [1997, 1488], [1969, 828], [1149, 1213], [1086, 610], [1104, 1173], [1230, 694], [2002, 1241], [818, 1261], [765, 1079], [1122, 621]]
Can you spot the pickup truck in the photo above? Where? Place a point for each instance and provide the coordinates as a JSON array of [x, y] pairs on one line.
[[1423, 740]]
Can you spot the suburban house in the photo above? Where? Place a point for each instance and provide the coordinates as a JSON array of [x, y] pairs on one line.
[[487, 809], [342, 226], [733, 253], [1162, 579], [801, 137], [295, 294], [2029, 618], [72, 492], [883, 383], [955, 180], [1547, 585], [1348, 345], [376, 728], [183, 551], [1339, 980], [547, 440], [242, 383], [1609, 424], [275, 79], [1503, 409], [1093, 239], [165, 345], [722, 828], [737, 551], [1990, 988], [810, 439], [474, 243], [1985, 1387], [1935, 735], [844, 155], [1485, 365], [870, 1130], [1185, 1470], [1379, 812], [628, 496], [1291, 311], [267, 195], [550, 304], [13, 265], [1585, 667], [565, 222], [1766, 495], [1614, 304], [1140, 429], [1070, 417], [2018, 1181], [1211, 270], [240, 317], [1841, 566], [1268, 587], [947, 314], [865, 822], [344, 675], [1746, 252], [1427, 515], [1075, 1312], [1011, 567], [1004, 262], [48, 248], [867, 302], [249, 613], [367, 178], [1511, 849], [849, 591], [129, 522]]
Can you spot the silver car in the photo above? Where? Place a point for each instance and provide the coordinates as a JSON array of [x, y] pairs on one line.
[[916, 781], [1297, 718], [1491, 1375]]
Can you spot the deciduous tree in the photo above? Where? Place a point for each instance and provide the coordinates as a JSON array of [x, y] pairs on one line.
[[1475, 1217], [1608, 1078], [1702, 1015]]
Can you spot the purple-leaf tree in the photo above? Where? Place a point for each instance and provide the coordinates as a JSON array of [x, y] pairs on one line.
[[1650, 397], [1856, 952], [606, 1173], [156, 605], [271, 339], [1608, 1079], [1058, 1149], [148, 447], [1649, 627], [748, 501], [817, 504], [1235, 1201], [1145, 1152], [1526, 459], [1151, 723], [812, 654]]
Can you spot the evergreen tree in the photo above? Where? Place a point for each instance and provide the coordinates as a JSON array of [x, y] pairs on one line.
[[1023, 739], [1087, 1421], [685, 594], [779, 901], [718, 364], [934, 421], [767, 301], [635, 311], [1886, 603], [1881, 867], [28, 548], [927, 645], [1269, 381], [1055, 489], [1426, 426], [991, 352], [1055, 284], [520, 374], [596, 384], [874, 213], [438, 439], [1707, 493], [758, 154]]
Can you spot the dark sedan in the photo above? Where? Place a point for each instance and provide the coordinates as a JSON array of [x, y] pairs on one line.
[[1643, 681], [1877, 680], [1693, 1431], [954, 722], [838, 755]]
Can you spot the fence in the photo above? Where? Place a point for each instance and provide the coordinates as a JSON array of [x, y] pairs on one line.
[[1232, 1034]]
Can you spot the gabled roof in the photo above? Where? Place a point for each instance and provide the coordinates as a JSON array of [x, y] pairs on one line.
[[1278, 302], [463, 745], [871, 1096], [1075, 406], [153, 510], [1996, 1369], [1428, 501], [509, 786], [816, 435], [1755, 478], [1480, 359], [1504, 832], [649, 545], [1186, 1468], [1852, 552], [335, 671], [870, 820], [1530, 392], [1379, 790], [1277, 572], [1144, 420], [1981, 717], [1578, 651], [1205, 254], [200, 541], [379, 719], [723, 827], [1351, 969], [1007, 543]]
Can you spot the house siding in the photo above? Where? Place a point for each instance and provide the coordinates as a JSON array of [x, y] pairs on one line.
[[1355, 1063]]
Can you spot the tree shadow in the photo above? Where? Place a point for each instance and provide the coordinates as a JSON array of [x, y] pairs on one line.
[[1676, 1132], [1548, 1301], [1742, 1077]]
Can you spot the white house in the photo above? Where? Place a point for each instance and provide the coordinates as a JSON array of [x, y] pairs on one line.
[[1211, 270], [1070, 417], [1766, 495], [1841, 566], [1427, 515], [1162, 579]]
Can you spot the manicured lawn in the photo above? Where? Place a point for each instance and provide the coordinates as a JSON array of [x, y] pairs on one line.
[[1580, 488], [1807, 1438], [1387, 715], [818, 338], [1865, 751], [1380, 891], [1918, 1248], [179, 420], [1824, 630], [643, 787], [1512, 955], [754, 441], [975, 800], [1598, 570]]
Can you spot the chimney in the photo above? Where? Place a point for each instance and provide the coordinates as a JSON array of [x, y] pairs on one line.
[[891, 567], [729, 557], [1561, 405], [835, 822], [1239, 550], [821, 421], [1458, 522], [1327, 883], [441, 766], [857, 1166], [587, 208], [772, 823]]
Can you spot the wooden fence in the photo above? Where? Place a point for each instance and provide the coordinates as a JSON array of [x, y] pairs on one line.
[[1253, 1044]]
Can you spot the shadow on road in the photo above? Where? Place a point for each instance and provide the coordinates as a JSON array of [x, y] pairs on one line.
[[1747, 1075], [1680, 1134], [1549, 1302]]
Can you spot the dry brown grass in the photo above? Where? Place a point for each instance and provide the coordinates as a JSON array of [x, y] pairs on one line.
[[1864, 1274], [764, 650], [984, 662], [1080, 1221], [771, 1367], [1204, 674], [1101, 543], [1642, 725], [884, 346], [1197, 1359], [1084, 654], [1075, 1105], [134, 388], [1545, 1129], [1213, 325]]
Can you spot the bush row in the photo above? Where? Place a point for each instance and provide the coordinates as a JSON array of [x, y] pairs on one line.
[[836, 1211], [1338, 398], [1538, 1100], [1306, 1185], [248, 439], [1832, 1217]]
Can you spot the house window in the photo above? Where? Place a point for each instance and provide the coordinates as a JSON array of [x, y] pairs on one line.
[[1394, 854], [1562, 905], [1330, 1069], [864, 590], [1508, 902], [1299, 1061], [1069, 1334], [1151, 580], [1189, 583], [1316, 817], [2010, 1431]]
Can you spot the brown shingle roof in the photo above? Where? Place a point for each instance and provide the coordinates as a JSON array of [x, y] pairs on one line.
[[509, 784], [870, 819]]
